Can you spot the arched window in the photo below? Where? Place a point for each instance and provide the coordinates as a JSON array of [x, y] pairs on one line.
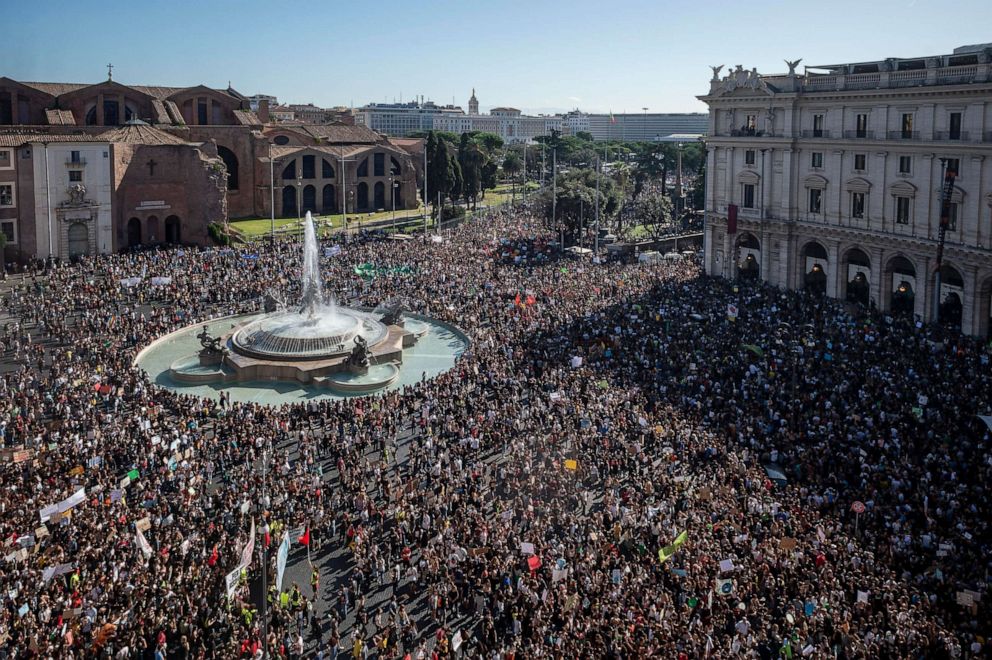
[[815, 268], [288, 201], [329, 205], [290, 171], [309, 199], [379, 164], [309, 167], [326, 169], [231, 163], [363, 168], [363, 197], [380, 196]]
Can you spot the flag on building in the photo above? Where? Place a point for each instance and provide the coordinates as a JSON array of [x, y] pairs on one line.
[[613, 119]]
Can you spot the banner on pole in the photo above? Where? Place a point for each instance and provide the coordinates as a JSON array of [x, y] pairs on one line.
[[281, 558]]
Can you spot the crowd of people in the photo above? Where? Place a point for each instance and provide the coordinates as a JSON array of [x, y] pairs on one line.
[[614, 469]]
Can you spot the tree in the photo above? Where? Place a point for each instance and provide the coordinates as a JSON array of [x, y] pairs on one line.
[[512, 165], [574, 206], [489, 142], [440, 171], [489, 171], [653, 210], [456, 181], [470, 162], [585, 136]]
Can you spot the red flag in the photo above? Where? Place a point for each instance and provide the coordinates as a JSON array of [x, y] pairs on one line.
[[516, 301], [731, 218], [213, 557], [266, 539], [531, 300], [305, 539]]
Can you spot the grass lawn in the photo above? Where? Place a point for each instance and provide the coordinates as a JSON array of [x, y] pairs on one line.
[[260, 227]]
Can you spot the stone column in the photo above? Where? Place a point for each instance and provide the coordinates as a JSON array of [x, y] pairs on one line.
[[833, 263], [877, 287], [923, 303], [969, 311]]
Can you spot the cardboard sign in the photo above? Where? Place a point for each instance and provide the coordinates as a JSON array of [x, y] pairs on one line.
[[526, 548], [571, 464], [787, 543], [144, 524]]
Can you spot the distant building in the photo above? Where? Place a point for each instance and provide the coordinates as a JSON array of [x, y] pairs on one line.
[[310, 114], [255, 101], [402, 119], [509, 123], [636, 127], [831, 181], [282, 113]]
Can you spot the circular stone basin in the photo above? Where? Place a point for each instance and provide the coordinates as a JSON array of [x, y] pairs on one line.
[[330, 331], [378, 376], [172, 362]]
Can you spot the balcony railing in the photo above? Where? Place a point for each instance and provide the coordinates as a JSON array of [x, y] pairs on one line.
[[815, 133], [859, 135], [79, 162], [904, 135], [748, 132], [951, 135]]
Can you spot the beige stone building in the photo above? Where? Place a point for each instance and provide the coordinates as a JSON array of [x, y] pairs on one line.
[[831, 180]]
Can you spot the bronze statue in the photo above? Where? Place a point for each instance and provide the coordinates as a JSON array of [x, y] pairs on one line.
[[393, 312], [358, 361], [211, 345]]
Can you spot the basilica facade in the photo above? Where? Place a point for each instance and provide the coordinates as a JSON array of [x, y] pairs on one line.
[[95, 168]]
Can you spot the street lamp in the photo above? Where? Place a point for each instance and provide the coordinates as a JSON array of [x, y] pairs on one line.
[[299, 193], [393, 187]]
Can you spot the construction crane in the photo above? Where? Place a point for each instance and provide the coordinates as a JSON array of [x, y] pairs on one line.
[[950, 173]]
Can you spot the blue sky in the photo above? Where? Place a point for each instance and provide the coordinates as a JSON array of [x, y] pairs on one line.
[[538, 55]]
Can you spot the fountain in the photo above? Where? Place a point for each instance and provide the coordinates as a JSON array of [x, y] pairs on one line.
[[317, 345]]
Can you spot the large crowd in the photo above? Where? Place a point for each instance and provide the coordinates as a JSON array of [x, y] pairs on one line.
[[614, 469]]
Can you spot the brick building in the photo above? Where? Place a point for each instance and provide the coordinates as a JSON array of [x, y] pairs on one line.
[[177, 158]]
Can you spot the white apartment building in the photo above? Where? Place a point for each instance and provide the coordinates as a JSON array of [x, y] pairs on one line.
[[402, 119], [831, 180], [508, 123], [72, 195]]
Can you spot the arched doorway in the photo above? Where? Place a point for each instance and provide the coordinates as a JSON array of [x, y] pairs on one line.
[[231, 163], [951, 297], [172, 230], [363, 197], [288, 201], [902, 301], [748, 254], [153, 233], [309, 199], [79, 240], [329, 200], [814, 263], [380, 196], [858, 274], [133, 232]]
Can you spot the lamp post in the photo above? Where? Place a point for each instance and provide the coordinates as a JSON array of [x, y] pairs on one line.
[[345, 194], [263, 506], [299, 194], [272, 198], [393, 185]]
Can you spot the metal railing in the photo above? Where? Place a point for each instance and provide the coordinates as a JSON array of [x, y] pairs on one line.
[[904, 135], [951, 135], [815, 133], [859, 135], [79, 162]]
